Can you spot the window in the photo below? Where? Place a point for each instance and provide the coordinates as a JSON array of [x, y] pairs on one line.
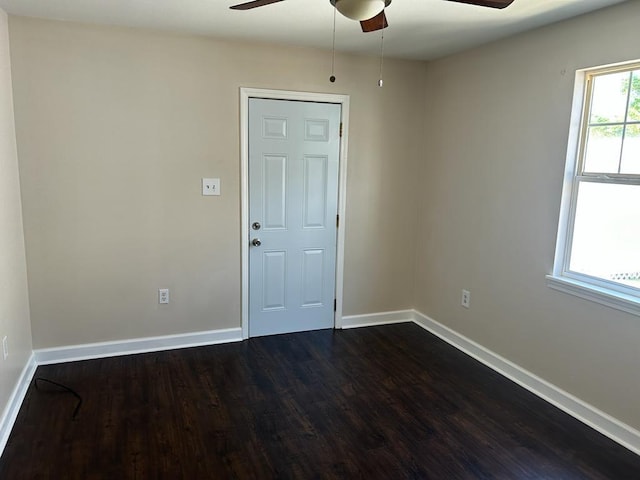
[[598, 248]]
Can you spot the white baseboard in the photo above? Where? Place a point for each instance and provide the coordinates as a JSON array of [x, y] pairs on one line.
[[12, 408], [609, 426], [385, 318], [137, 345]]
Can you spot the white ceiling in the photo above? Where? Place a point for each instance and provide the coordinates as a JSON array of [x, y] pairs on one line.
[[419, 29]]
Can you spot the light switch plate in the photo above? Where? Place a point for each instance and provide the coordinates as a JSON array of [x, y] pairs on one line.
[[210, 186]]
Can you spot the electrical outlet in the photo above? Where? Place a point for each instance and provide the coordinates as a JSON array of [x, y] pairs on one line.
[[466, 299], [5, 347], [210, 186], [163, 295]]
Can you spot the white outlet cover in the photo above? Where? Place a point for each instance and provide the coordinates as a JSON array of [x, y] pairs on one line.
[[466, 299], [163, 295], [210, 186]]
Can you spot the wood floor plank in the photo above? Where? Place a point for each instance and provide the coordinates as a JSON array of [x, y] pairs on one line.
[[389, 402]]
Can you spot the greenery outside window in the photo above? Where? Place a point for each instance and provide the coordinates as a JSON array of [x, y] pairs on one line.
[[598, 247]]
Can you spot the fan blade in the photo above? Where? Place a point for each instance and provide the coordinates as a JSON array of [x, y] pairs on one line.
[[375, 23], [253, 4], [487, 3]]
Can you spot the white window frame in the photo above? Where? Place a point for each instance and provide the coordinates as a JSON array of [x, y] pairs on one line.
[[599, 290]]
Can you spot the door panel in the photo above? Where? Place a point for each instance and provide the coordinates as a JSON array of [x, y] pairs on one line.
[[274, 192], [274, 127], [274, 279], [293, 194], [312, 278], [315, 191]]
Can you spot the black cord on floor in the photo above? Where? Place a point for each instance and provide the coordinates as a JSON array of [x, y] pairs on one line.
[[64, 387]]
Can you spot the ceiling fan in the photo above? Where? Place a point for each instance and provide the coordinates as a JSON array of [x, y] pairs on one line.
[[370, 13]]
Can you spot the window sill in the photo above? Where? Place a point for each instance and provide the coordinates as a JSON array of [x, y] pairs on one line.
[[603, 296]]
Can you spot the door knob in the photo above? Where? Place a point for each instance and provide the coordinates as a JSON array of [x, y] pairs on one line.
[[256, 225], [256, 242]]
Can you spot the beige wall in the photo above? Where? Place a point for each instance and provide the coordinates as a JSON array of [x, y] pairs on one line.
[[497, 125], [14, 300], [115, 129]]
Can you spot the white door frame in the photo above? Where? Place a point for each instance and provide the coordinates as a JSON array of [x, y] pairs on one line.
[[343, 100]]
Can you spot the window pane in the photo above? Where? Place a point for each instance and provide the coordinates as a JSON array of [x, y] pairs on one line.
[[603, 149], [609, 100], [631, 150], [634, 98], [606, 235]]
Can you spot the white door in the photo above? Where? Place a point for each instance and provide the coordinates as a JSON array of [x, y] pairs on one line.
[[293, 203]]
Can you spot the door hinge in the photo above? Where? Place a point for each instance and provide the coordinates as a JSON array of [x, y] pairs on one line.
[[335, 304], [340, 129], [337, 221]]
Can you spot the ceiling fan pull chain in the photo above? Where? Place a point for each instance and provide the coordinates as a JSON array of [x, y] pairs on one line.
[[332, 78], [380, 81]]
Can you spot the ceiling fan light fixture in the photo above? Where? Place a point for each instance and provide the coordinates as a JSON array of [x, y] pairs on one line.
[[359, 9]]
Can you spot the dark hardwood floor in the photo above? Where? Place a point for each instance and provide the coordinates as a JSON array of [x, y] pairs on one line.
[[389, 402]]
